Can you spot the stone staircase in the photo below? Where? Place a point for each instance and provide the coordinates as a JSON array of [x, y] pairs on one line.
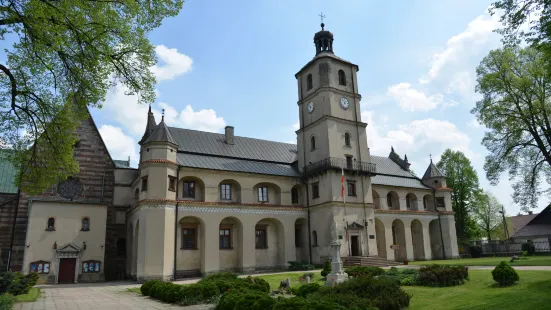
[[374, 261]]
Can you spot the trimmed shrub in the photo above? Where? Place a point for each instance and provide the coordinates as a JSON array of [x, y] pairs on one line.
[[258, 284], [146, 287], [408, 281], [296, 303], [349, 301], [189, 294], [264, 303], [16, 283], [383, 294], [224, 275], [323, 305], [363, 271], [6, 301], [300, 265], [308, 289], [326, 268], [170, 292], [229, 300], [529, 247], [438, 275], [504, 274], [158, 290], [248, 300], [476, 251]]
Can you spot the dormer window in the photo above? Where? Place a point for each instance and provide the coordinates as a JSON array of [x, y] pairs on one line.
[[342, 78], [309, 82]]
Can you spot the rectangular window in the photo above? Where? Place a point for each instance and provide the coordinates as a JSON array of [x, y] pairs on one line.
[[298, 244], [120, 217], [261, 240], [294, 195], [351, 188], [440, 203], [225, 191], [171, 183], [349, 162], [189, 238], [225, 239], [144, 184], [315, 190], [189, 189], [263, 194]]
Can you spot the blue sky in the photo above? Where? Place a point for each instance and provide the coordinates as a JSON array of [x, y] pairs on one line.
[[233, 63]]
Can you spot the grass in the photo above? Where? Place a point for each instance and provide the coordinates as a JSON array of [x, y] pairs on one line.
[[531, 292], [31, 296], [276, 279], [490, 261], [134, 290]]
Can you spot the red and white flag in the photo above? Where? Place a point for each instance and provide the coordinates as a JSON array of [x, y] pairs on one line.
[[342, 184]]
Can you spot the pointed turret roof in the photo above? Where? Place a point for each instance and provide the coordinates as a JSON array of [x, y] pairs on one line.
[[151, 124], [161, 134], [432, 171]]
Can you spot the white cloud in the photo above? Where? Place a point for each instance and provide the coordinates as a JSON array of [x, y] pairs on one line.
[[461, 83], [411, 99], [474, 123], [478, 33], [120, 145], [175, 64], [204, 120], [418, 138], [296, 126]]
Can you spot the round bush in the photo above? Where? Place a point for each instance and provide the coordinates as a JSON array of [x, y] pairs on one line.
[[225, 275], [146, 287], [264, 303], [229, 300], [308, 289], [248, 300], [326, 268], [189, 294], [155, 289], [505, 274], [364, 271], [476, 251], [208, 290], [170, 292], [296, 303]]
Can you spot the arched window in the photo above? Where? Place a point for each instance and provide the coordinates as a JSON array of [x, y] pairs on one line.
[[389, 201], [51, 224], [85, 224], [121, 247], [309, 82], [137, 194], [342, 78], [347, 139], [314, 238], [313, 143]]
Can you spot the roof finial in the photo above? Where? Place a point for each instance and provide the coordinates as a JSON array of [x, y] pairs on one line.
[[322, 17], [163, 118], [392, 149], [149, 108], [430, 155]]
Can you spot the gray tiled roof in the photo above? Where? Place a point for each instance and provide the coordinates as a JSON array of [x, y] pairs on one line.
[[7, 175], [208, 143], [121, 163], [161, 134], [389, 173], [238, 165], [432, 171], [536, 230]]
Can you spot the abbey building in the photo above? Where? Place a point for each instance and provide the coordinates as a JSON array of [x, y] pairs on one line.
[[202, 202]]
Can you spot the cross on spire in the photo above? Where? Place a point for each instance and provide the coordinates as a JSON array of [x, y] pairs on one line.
[[163, 114], [321, 16]]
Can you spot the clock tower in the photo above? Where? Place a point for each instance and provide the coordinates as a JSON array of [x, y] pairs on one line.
[[332, 142]]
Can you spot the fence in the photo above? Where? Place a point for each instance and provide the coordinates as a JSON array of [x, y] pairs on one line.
[[510, 247]]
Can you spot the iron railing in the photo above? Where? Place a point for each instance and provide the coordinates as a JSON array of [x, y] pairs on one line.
[[334, 163], [511, 247]]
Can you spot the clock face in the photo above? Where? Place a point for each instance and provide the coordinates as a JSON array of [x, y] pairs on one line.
[[311, 107], [344, 103]]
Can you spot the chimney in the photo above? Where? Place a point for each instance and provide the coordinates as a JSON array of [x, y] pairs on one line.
[[229, 135], [530, 212]]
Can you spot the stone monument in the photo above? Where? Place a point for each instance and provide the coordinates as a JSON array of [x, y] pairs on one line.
[[337, 274]]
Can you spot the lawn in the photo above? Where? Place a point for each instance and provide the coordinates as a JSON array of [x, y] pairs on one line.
[[531, 292], [136, 290], [33, 295], [276, 279], [490, 261]]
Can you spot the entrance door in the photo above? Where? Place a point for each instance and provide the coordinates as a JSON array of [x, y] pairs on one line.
[[355, 245], [67, 270]]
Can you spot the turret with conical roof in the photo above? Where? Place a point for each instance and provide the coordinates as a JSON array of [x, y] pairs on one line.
[[433, 177], [151, 124]]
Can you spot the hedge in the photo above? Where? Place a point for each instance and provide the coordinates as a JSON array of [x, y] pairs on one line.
[[403, 276], [363, 271], [6, 301], [300, 265], [476, 251], [439, 275], [16, 283]]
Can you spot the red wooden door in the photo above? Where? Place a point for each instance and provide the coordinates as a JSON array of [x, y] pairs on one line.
[[67, 270]]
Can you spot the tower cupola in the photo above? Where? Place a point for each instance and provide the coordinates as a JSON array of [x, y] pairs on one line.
[[323, 40]]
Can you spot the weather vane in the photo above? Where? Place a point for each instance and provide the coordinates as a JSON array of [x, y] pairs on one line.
[[321, 16]]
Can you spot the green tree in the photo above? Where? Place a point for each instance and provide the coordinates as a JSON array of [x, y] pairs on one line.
[[462, 178], [515, 107], [65, 56], [487, 213]]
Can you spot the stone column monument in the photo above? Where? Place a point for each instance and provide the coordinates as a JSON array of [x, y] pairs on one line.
[[337, 274]]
